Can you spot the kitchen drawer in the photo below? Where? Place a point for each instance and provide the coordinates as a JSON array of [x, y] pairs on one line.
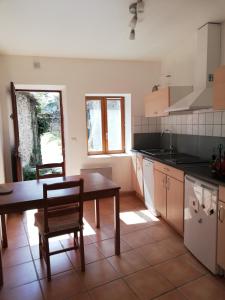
[[222, 193], [173, 172]]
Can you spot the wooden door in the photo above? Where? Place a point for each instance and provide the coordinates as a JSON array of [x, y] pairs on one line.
[[17, 167], [221, 235], [140, 186], [38, 130], [175, 203], [160, 192]]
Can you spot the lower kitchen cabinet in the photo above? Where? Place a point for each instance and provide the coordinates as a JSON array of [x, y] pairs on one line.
[[169, 195], [160, 192], [221, 235], [175, 203]]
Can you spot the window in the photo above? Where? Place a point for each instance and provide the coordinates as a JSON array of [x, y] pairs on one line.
[[105, 124]]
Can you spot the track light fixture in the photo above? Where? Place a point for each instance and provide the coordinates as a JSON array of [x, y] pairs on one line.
[[135, 8], [132, 34], [133, 22]]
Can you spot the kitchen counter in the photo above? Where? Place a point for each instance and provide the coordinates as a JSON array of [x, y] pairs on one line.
[[201, 171]]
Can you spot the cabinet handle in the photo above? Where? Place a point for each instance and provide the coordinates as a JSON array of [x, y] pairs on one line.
[[220, 214], [155, 112]]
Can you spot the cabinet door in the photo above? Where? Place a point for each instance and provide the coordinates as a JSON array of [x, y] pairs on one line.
[[139, 185], [221, 235], [134, 171], [160, 192], [156, 103], [175, 203], [219, 88]]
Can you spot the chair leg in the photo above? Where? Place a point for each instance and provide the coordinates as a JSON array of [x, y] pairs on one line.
[[4, 232], [75, 240], [47, 258], [82, 251], [97, 213], [40, 246]]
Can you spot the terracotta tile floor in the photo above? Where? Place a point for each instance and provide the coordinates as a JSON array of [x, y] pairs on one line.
[[154, 264]]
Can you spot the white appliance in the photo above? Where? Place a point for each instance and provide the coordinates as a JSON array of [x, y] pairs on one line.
[[207, 60], [200, 221], [148, 174]]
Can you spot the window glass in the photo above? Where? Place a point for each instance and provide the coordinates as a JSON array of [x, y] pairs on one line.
[[94, 125], [114, 125]]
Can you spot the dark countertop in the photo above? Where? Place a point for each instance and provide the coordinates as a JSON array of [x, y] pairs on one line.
[[201, 171]]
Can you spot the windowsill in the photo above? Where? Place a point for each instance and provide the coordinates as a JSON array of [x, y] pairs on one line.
[[110, 155]]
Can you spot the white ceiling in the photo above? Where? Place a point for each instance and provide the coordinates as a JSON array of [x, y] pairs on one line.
[[99, 28]]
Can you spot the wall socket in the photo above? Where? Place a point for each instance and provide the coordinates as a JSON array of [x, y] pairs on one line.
[[37, 65]]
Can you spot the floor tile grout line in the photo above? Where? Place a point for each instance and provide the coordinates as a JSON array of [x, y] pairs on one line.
[[124, 276], [149, 266], [19, 285], [35, 268], [165, 293], [185, 296], [131, 289], [183, 284], [148, 243]]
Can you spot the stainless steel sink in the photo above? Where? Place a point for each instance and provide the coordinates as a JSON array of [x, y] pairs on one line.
[[159, 152]]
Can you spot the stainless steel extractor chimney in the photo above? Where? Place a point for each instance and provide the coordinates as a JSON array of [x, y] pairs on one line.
[[207, 60]]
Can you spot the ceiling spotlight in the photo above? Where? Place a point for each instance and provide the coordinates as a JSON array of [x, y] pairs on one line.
[[140, 6], [133, 22], [132, 34], [133, 8]]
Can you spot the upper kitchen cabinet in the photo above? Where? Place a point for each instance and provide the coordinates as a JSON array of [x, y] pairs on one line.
[[219, 89], [157, 102]]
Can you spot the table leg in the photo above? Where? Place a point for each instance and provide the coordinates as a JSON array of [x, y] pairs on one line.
[[117, 222], [4, 231], [97, 213], [1, 270]]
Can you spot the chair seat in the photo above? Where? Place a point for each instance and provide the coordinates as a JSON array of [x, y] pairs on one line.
[[58, 219], [53, 208]]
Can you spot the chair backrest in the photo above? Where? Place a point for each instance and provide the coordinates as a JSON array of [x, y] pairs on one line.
[[42, 167], [63, 193]]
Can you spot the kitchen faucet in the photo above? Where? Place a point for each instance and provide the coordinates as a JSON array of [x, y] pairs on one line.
[[171, 138]]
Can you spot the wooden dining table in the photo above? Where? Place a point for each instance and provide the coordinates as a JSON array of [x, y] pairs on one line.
[[27, 195]]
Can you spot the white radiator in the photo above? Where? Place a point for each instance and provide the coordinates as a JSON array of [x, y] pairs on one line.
[[105, 171]]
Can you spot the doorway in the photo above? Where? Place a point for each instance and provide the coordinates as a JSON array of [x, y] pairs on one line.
[[39, 131]]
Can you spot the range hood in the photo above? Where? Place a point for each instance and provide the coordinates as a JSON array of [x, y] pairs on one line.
[[207, 60]]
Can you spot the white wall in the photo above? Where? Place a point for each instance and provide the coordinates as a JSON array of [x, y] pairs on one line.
[[79, 77]]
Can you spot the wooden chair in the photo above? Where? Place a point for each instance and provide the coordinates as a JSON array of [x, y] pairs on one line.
[[52, 175], [50, 166], [57, 222], [38, 176]]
